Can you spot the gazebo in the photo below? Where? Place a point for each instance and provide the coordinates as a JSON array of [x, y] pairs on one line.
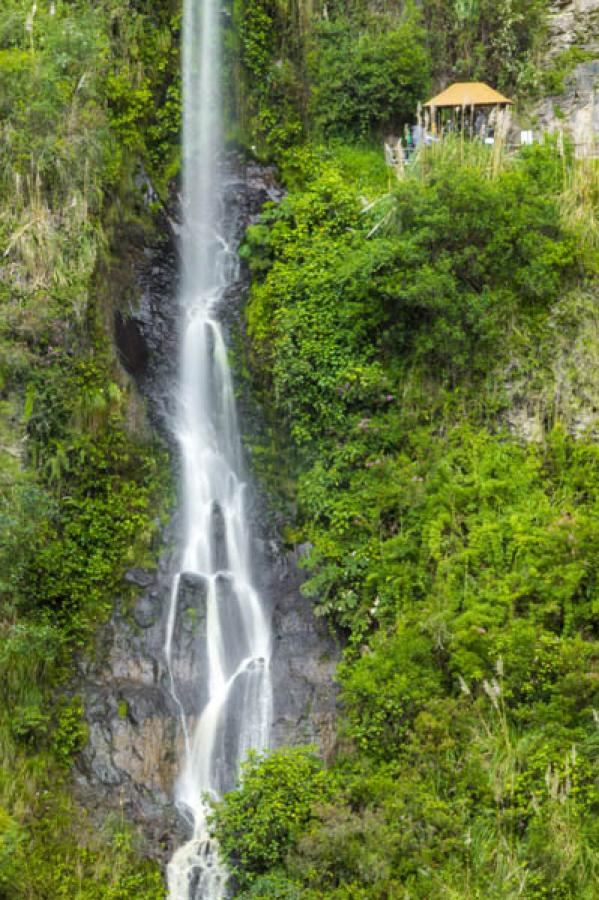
[[463, 99]]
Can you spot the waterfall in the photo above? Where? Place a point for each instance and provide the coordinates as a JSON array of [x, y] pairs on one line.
[[227, 709]]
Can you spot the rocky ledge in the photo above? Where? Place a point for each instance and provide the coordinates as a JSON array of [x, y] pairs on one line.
[[574, 27]]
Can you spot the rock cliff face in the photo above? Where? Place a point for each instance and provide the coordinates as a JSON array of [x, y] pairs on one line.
[[574, 26], [131, 760]]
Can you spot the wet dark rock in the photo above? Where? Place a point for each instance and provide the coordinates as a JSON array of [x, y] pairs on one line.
[[193, 591], [303, 665], [131, 344], [220, 553], [230, 612], [146, 612], [189, 666], [130, 761], [140, 577]]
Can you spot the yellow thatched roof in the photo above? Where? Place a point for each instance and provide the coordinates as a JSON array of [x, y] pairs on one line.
[[468, 93]]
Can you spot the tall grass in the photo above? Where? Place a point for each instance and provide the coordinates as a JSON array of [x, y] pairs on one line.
[[579, 202], [576, 175]]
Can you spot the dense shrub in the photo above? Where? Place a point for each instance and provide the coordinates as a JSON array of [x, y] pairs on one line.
[[394, 333], [455, 259], [257, 824], [265, 63], [367, 82]]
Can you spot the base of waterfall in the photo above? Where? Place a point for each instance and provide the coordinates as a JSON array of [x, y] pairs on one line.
[[196, 871]]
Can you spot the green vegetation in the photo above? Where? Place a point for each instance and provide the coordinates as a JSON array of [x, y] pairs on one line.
[[79, 490], [499, 41], [400, 335], [561, 66], [356, 69], [370, 84], [427, 351]]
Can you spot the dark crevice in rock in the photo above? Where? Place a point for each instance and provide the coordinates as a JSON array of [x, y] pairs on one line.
[[130, 344]]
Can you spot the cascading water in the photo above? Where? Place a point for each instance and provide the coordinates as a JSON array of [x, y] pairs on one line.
[[232, 710]]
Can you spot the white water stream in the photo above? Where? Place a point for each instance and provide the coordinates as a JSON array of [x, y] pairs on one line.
[[234, 698]]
